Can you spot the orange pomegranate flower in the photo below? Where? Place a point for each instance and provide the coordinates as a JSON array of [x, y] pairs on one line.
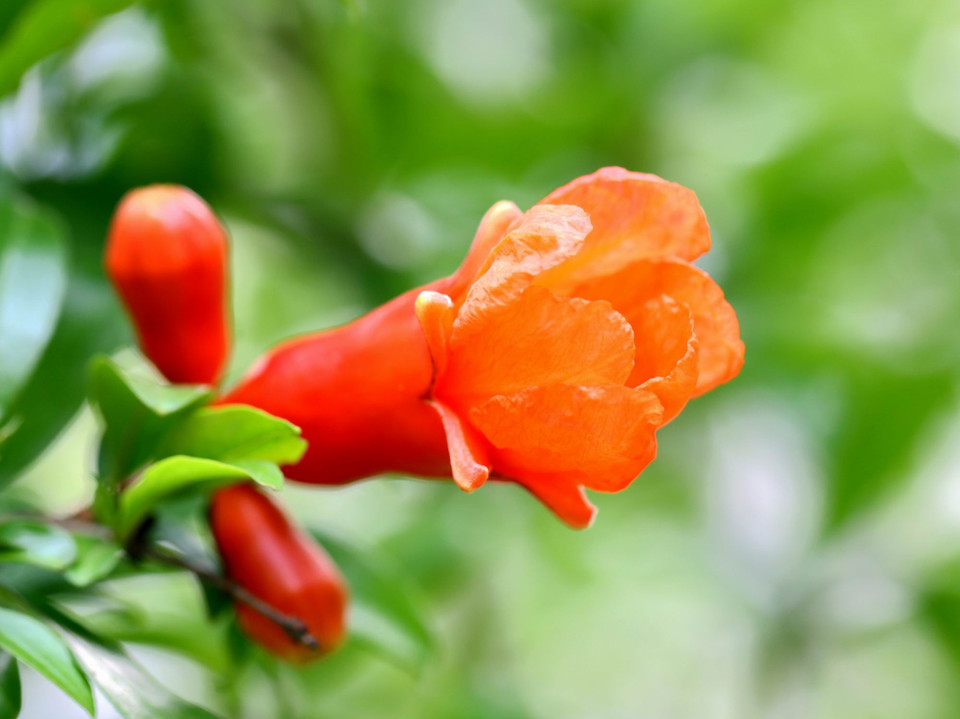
[[567, 337]]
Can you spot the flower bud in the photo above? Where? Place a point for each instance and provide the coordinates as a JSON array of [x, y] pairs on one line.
[[167, 257], [263, 552]]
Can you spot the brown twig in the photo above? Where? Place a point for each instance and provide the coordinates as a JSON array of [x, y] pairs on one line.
[[138, 549], [294, 627], [74, 523]]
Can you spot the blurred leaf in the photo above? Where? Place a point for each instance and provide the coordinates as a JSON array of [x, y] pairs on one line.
[[56, 389], [174, 475], [182, 524], [239, 647], [941, 611], [9, 687], [45, 27], [939, 607], [118, 393], [887, 414], [133, 692], [161, 610], [264, 473], [215, 600], [237, 432], [384, 613], [96, 559], [36, 645], [30, 582], [37, 543], [137, 412], [168, 631], [33, 281]]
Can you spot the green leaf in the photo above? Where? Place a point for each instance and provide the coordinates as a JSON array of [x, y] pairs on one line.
[[137, 412], [237, 432], [89, 323], [96, 559], [162, 610], [132, 692], [183, 525], [118, 393], [33, 542], [33, 282], [264, 473], [175, 475], [385, 614], [9, 687], [36, 645], [871, 459], [938, 607], [45, 27]]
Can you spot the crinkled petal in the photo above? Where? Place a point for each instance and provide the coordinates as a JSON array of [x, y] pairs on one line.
[[603, 434], [667, 353], [714, 320], [541, 339], [634, 216], [493, 227], [565, 499], [469, 457], [544, 237]]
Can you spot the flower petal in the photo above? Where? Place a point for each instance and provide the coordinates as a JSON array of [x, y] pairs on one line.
[[541, 339], [634, 216], [492, 228], [469, 458], [667, 353], [603, 435], [544, 237], [714, 321], [565, 499]]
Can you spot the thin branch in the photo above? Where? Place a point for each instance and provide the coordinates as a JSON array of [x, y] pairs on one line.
[[76, 523], [137, 548], [294, 627]]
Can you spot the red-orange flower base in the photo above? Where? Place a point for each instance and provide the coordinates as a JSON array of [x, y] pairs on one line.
[[568, 336]]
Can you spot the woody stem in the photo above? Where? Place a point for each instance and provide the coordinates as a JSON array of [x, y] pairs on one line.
[[138, 548], [294, 627]]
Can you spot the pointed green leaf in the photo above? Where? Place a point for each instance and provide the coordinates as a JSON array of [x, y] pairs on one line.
[[137, 412], [9, 687], [117, 392], [33, 542], [175, 475], [264, 473], [237, 432], [33, 281], [39, 647]]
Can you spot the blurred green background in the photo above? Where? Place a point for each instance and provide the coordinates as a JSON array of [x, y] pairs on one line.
[[794, 552]]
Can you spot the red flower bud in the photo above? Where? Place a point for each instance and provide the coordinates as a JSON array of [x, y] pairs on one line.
[[263, 552], [167, 257]]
